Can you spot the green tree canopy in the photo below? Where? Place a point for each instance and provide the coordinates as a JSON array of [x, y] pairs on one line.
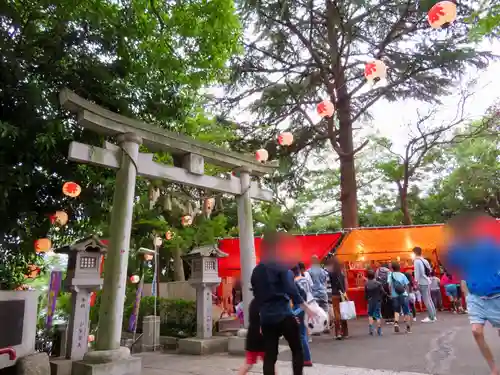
[[140, 58], [300, 53]]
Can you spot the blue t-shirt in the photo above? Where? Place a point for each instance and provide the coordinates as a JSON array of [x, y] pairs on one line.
[[400, 278], [478, 263]]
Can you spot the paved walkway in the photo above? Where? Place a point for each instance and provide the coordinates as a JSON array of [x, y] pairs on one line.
[[222, 364], [443, 348]]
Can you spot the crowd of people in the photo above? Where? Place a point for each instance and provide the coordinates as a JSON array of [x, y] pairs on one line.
[[284, 296]]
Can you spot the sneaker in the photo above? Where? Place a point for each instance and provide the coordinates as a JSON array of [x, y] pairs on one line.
[[408, 329], [415, 319], [310, 339], [396, 328], [435, 319], [308, 364], [426, 320]]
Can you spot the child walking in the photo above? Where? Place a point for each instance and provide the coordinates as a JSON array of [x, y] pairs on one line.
[[305, 292], [373, 294], [254, 344]]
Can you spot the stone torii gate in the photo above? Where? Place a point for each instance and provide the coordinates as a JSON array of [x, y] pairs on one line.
[[129, 162]]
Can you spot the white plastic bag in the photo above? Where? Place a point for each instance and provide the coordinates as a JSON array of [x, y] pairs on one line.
[[320, 322], [347, 310]]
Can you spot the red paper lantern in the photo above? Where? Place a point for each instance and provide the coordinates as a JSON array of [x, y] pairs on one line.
[[71, 189], [375, 69], [59, 218], [134, 279], [442, 14], [262, 155], [326, 108], [186, 220], [285, 139], [33, 272], [43, 245]]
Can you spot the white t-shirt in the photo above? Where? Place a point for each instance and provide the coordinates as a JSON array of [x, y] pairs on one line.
[[308, 278]]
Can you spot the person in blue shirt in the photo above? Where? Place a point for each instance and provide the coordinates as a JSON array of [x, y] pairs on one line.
[[398, 285], [274, 289], [474, 255], [305, 292], [319, 277]]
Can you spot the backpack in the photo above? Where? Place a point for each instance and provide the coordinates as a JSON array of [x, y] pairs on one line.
[[382, 275], [398, 287], [427, 270]]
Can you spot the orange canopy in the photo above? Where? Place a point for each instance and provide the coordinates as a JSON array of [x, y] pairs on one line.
[[367, 244]]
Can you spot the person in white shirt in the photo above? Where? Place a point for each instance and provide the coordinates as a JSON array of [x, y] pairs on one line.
[[306, 274], [422, 278]]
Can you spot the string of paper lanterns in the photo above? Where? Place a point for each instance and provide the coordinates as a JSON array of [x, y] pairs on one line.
[[59, 218]]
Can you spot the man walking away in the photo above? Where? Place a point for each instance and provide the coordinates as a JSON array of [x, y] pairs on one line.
[[422, 277], [373, 294], [398, 283], [273, 288], [319, 277]]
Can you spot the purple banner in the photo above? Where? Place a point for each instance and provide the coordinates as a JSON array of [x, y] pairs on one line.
[[132, 322], [54, 288]]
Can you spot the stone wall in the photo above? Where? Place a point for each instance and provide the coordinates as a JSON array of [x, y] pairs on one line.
[[173, 290]]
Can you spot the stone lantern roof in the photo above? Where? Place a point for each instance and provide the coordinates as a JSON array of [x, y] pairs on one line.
[[205, 251], [90, 243]]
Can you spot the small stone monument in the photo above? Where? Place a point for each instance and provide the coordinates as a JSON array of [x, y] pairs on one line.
[[83, 277], [204, 276]]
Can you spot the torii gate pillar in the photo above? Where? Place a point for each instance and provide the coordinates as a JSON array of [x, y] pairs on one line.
[[115, 276], [247, 244]]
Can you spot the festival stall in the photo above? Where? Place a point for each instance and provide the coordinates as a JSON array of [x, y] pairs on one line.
[[230, 270], [365, 248]]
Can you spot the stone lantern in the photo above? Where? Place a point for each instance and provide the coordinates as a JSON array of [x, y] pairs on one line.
[[83, 277], [204, 276]]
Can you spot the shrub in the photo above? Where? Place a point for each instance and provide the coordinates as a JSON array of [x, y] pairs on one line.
[[177, 316]]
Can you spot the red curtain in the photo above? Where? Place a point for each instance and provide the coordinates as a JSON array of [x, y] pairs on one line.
[[320, 245]]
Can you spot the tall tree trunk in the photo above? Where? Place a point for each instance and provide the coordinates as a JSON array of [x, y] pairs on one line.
[[178, 266], [345, 149], [348, 186], [403, 200], [344, 145]]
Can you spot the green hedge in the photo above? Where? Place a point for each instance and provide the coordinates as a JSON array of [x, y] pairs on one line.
[[177, 316]]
